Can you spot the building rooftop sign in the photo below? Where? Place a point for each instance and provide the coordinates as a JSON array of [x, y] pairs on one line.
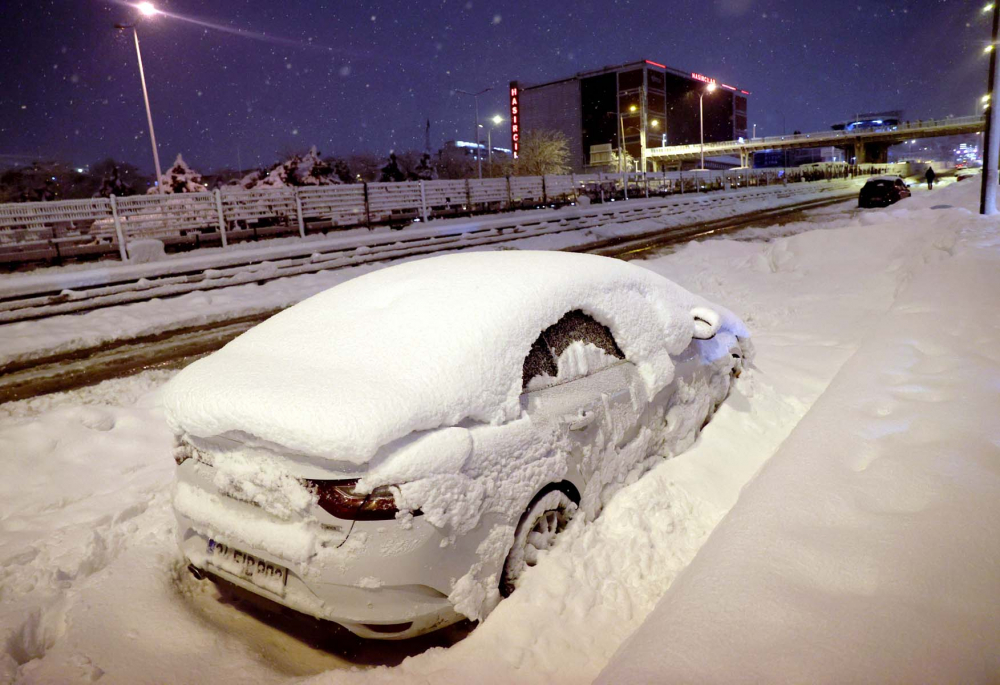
[[515, 120]]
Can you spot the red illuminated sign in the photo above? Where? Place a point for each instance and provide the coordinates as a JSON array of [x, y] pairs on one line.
[[702, 77], [515, 119], [727, 87], [656, 64]]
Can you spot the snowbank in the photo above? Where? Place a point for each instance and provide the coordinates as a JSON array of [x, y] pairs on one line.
[[868, 549], [422, 345]]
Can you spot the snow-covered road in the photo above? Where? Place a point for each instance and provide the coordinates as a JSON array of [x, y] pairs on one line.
[[90, 581]]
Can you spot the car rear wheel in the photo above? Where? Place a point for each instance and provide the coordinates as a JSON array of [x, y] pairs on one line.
[[546, 517]]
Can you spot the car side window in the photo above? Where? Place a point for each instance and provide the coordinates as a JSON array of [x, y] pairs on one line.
[[573, 346]]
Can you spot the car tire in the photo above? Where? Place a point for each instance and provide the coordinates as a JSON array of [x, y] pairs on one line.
[[546, 517]]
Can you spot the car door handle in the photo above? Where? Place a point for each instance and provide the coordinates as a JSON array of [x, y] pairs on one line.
[[579, 423]]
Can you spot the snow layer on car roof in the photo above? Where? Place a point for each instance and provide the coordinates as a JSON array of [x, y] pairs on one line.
[[422, 345], [891, 179]]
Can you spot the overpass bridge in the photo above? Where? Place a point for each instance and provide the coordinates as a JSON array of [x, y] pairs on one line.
[[870, 145]]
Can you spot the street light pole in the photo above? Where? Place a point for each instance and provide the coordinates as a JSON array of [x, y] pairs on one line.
[[149, 114], [489, 139], [991, 132], [148, 10], [479, 152], [701, 118]]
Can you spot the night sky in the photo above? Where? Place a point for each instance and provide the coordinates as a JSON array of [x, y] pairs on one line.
[[355, 77]]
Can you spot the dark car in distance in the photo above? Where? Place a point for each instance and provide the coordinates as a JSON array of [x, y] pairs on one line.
[[882, 191]]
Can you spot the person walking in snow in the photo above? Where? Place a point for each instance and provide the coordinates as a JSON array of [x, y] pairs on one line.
[[930, 176]]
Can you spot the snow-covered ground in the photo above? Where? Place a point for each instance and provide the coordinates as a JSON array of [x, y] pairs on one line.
[[876, 358]]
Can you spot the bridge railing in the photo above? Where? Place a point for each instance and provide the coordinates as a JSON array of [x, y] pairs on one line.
[[51, 231], [821, 137]]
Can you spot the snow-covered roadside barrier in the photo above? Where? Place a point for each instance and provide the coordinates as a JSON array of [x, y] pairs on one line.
[[810, 300], [868, 549]]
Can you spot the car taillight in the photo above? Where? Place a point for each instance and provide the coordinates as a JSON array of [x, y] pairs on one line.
[[338, 497]]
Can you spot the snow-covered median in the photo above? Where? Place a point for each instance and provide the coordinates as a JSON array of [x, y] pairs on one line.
[[88, 577]]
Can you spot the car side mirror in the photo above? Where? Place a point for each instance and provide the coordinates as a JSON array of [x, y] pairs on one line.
[[706, 322]]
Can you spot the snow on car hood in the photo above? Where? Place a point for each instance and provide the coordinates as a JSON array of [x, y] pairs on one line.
[[421, 345]]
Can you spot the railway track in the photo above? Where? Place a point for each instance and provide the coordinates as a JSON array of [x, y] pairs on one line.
[[177, 347]]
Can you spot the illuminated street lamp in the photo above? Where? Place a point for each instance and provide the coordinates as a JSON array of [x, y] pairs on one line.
[[701, 117], [147, 10], [479, 152]]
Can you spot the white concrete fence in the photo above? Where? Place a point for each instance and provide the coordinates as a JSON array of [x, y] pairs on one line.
[[34, 231]]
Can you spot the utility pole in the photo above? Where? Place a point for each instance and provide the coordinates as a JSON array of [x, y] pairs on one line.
[[621, 144], [710, 88], [479, 152], [991, 133]]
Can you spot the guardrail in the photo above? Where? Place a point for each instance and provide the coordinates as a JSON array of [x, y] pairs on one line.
[[51, 231]]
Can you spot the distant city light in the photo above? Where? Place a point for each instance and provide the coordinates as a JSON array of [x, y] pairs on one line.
[[497, 119], [988, 7], [147, 9], [988, 48], [711, 88]]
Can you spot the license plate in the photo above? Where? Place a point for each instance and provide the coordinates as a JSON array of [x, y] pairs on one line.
[[263, 574]]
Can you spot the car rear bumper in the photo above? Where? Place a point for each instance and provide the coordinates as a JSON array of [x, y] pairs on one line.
[[387, 612], [379, 579]]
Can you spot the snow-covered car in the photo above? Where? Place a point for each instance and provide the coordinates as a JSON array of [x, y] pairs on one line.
[[882, 191], [393, 453]]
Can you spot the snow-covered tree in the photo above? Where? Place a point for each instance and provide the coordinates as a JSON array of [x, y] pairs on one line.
[[314, 171], [112, 184], [542, 152], [423, 171], [249, 181], [391, 173], [298, 170], [342, 170], [625, 162], [180, 178]]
